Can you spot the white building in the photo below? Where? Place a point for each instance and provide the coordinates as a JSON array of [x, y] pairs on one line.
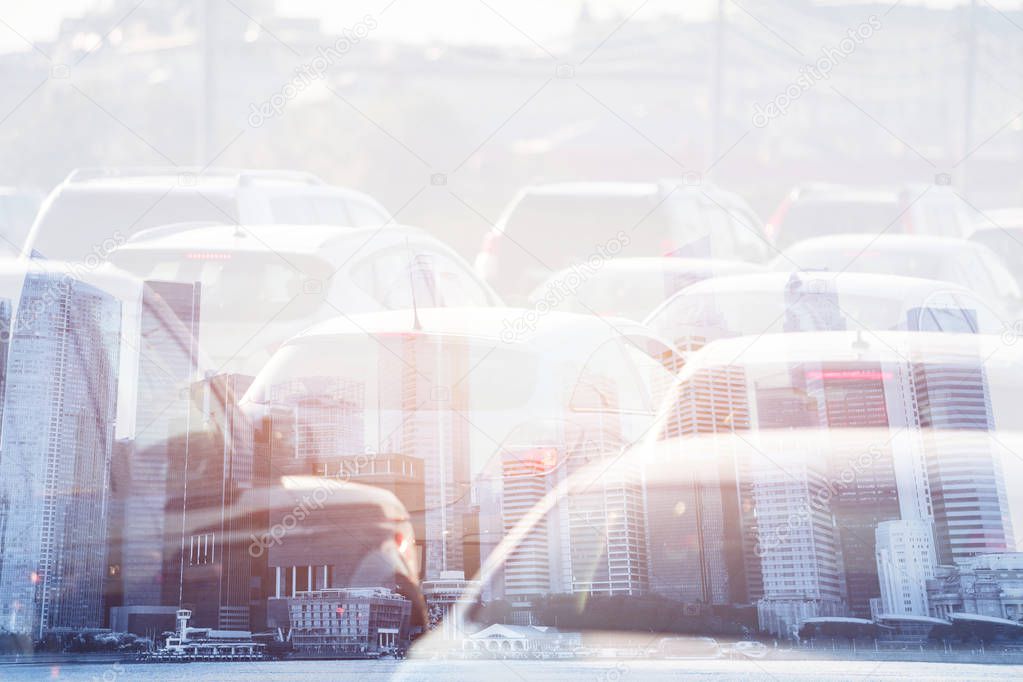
[[905, 561]]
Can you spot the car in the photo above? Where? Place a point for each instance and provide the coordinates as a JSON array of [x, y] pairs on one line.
[[262, 284], [948, 259], [478, 413], [749, 649], [1001, 230], [551, 226], [96, 208], [774, 302], [629, 287], [821, 209]]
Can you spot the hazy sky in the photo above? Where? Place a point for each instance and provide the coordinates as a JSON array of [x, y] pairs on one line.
[[457, 21]]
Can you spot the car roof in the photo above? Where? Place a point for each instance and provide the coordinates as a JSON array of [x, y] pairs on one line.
[[823, 191], [299, 239], [894, 242], [671, 264], [856, 283], [194, 179], [999, 219], [479, 323], [853, 346], [598, 188]]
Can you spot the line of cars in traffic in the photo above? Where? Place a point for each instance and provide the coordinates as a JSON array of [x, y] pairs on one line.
[[319, 294]]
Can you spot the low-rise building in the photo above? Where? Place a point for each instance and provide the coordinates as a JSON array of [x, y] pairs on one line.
[[986, 585], [343, 622], [521, 641]]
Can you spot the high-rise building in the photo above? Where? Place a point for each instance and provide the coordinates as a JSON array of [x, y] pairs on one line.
[[168, 348], [213, 573], [607, 518], [528, 476], [905, 562], [423, 378], [798, 543], [59, 413], [971, 514], [851, 400], [694, 518]]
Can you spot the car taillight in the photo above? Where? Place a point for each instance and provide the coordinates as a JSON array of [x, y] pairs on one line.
[[907, 222], [407, 550], [774, 222], [491, 242]]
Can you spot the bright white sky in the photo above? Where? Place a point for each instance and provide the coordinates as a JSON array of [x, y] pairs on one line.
[[453, 21]]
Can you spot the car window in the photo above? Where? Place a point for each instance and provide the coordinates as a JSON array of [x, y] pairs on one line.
[[364, 214], [620, 377], [440, 280], [817, 218], [79, 219], [238, 287]]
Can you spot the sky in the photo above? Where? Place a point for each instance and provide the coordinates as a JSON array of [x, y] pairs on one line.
[[454, 21]]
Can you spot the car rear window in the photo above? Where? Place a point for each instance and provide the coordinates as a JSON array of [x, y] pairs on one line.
[[807, 219], [78, 221]]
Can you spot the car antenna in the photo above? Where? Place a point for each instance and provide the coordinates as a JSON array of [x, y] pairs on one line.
[[412, 287]]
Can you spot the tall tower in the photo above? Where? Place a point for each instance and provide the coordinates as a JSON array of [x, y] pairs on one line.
[[971, 514], [798, 543], [851, 399], [168, 361], [423, 377], [693, 508], [606, 519], [57, 438]]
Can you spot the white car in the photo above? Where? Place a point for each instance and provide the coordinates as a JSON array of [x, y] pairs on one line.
[[550, 226], [772, 302], [821, 209], [262, 284], [748, 649], [96, 208], [490, 416], [948, 259], [629, 287]]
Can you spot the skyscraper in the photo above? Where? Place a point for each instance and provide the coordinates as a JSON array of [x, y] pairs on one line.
[[693, 508], [851, 399], [213, 572], [527, 477], [58, 429], [971, 515], [168, 359], [798, 543], [606, 516], [422, 377]]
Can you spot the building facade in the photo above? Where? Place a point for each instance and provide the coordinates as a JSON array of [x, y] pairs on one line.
[[905, 562], [59, 412]]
